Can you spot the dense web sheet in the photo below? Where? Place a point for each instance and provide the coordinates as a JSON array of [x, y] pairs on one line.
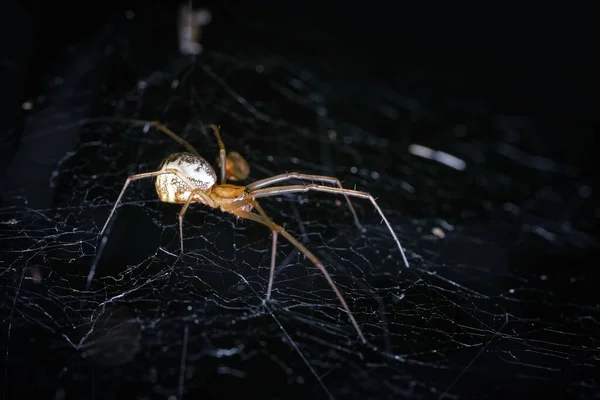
[[495, 301]]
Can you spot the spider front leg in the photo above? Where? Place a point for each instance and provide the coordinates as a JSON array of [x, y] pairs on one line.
[[180, 175], [264, 219], [278, 190], [304, 177], [222, 153], [161, 127], [127, 182]]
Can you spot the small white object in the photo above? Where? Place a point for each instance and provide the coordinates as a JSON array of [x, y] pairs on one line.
[[190, 24], [439, 156]]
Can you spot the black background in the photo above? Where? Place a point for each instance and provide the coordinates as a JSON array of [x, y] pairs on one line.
[[536, 62], [528, 61]]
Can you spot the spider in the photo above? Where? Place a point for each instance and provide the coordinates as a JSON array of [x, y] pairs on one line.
[[186, 178]]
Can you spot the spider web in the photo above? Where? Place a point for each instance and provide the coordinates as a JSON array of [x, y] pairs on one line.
[[494, 303]]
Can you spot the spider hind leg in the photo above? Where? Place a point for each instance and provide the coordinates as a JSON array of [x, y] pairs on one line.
[[264, 219]]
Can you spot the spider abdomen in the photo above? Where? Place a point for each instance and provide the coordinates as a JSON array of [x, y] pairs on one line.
[[172, 189]]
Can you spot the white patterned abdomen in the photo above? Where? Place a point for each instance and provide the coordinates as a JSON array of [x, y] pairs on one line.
[[171, 189]]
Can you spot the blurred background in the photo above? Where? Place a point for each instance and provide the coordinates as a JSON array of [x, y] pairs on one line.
[[533, 62]]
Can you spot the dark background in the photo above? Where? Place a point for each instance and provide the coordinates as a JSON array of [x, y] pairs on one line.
[[536, 64]]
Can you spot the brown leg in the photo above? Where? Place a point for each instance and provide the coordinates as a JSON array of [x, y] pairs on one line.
[[265, 220], [158, 125], [278, 190], [304, 177], [130, 179], [196, 192], [222, 153], [273, 257], [236, 167], [165, 130], [180, 175]]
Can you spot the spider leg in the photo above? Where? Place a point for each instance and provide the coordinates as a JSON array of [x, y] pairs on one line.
[[304, 177], [276, 229], [186, 144], [278, 190], [236, 167], [129, 180], [180, 175], [222, 153], [158, 125], [161, 127], [273, 258], [189, 201]]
